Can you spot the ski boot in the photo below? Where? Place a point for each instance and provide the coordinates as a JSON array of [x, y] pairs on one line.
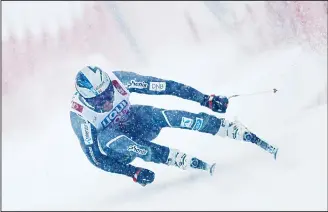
[[184, 161], [238, 131]]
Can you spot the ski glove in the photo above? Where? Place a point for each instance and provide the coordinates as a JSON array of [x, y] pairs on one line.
[[143, 176], [216, 103]]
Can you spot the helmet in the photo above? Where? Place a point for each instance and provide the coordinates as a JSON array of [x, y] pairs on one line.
[[94, 86]]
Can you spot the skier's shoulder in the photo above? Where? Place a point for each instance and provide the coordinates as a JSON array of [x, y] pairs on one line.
[[121, 73], [116, 72]]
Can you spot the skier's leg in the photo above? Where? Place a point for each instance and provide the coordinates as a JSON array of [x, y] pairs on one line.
[[154, 119], [205, 123], [123, 149]]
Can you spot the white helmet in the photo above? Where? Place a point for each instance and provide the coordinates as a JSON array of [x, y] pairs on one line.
[[94, 85]]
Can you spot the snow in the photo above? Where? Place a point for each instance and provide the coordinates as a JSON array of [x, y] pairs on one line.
[[43, 167]]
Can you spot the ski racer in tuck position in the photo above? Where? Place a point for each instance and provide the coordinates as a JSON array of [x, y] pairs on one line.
[[112, 132]]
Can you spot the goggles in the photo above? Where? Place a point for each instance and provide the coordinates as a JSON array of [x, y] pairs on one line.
[[99, 101]]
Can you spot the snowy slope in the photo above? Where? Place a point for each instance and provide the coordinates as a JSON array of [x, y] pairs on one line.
[[45, 169]]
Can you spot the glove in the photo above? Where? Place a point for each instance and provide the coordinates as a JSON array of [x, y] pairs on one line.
[[143, 176], [216, 103]]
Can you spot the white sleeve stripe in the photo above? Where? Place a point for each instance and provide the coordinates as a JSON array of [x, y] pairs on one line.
[[111, 141], [101, 149], [115, 139], [166, 119]]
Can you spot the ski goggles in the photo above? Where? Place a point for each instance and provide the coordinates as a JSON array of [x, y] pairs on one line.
[[100, 100]]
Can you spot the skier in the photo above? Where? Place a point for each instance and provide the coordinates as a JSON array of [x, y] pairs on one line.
[[112, 132]]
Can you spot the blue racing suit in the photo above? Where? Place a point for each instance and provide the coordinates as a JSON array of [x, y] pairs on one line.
[[113, 148]]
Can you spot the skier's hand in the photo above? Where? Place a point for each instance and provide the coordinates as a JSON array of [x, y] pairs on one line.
[[143, 176], [216, 103]]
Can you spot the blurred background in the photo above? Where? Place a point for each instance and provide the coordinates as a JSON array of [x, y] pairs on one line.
[[40, 37]]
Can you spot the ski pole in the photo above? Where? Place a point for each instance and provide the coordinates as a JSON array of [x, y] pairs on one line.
[[255, 93]]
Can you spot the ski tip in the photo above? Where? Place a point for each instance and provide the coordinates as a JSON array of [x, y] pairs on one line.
[[212, 169], [275, 154]]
